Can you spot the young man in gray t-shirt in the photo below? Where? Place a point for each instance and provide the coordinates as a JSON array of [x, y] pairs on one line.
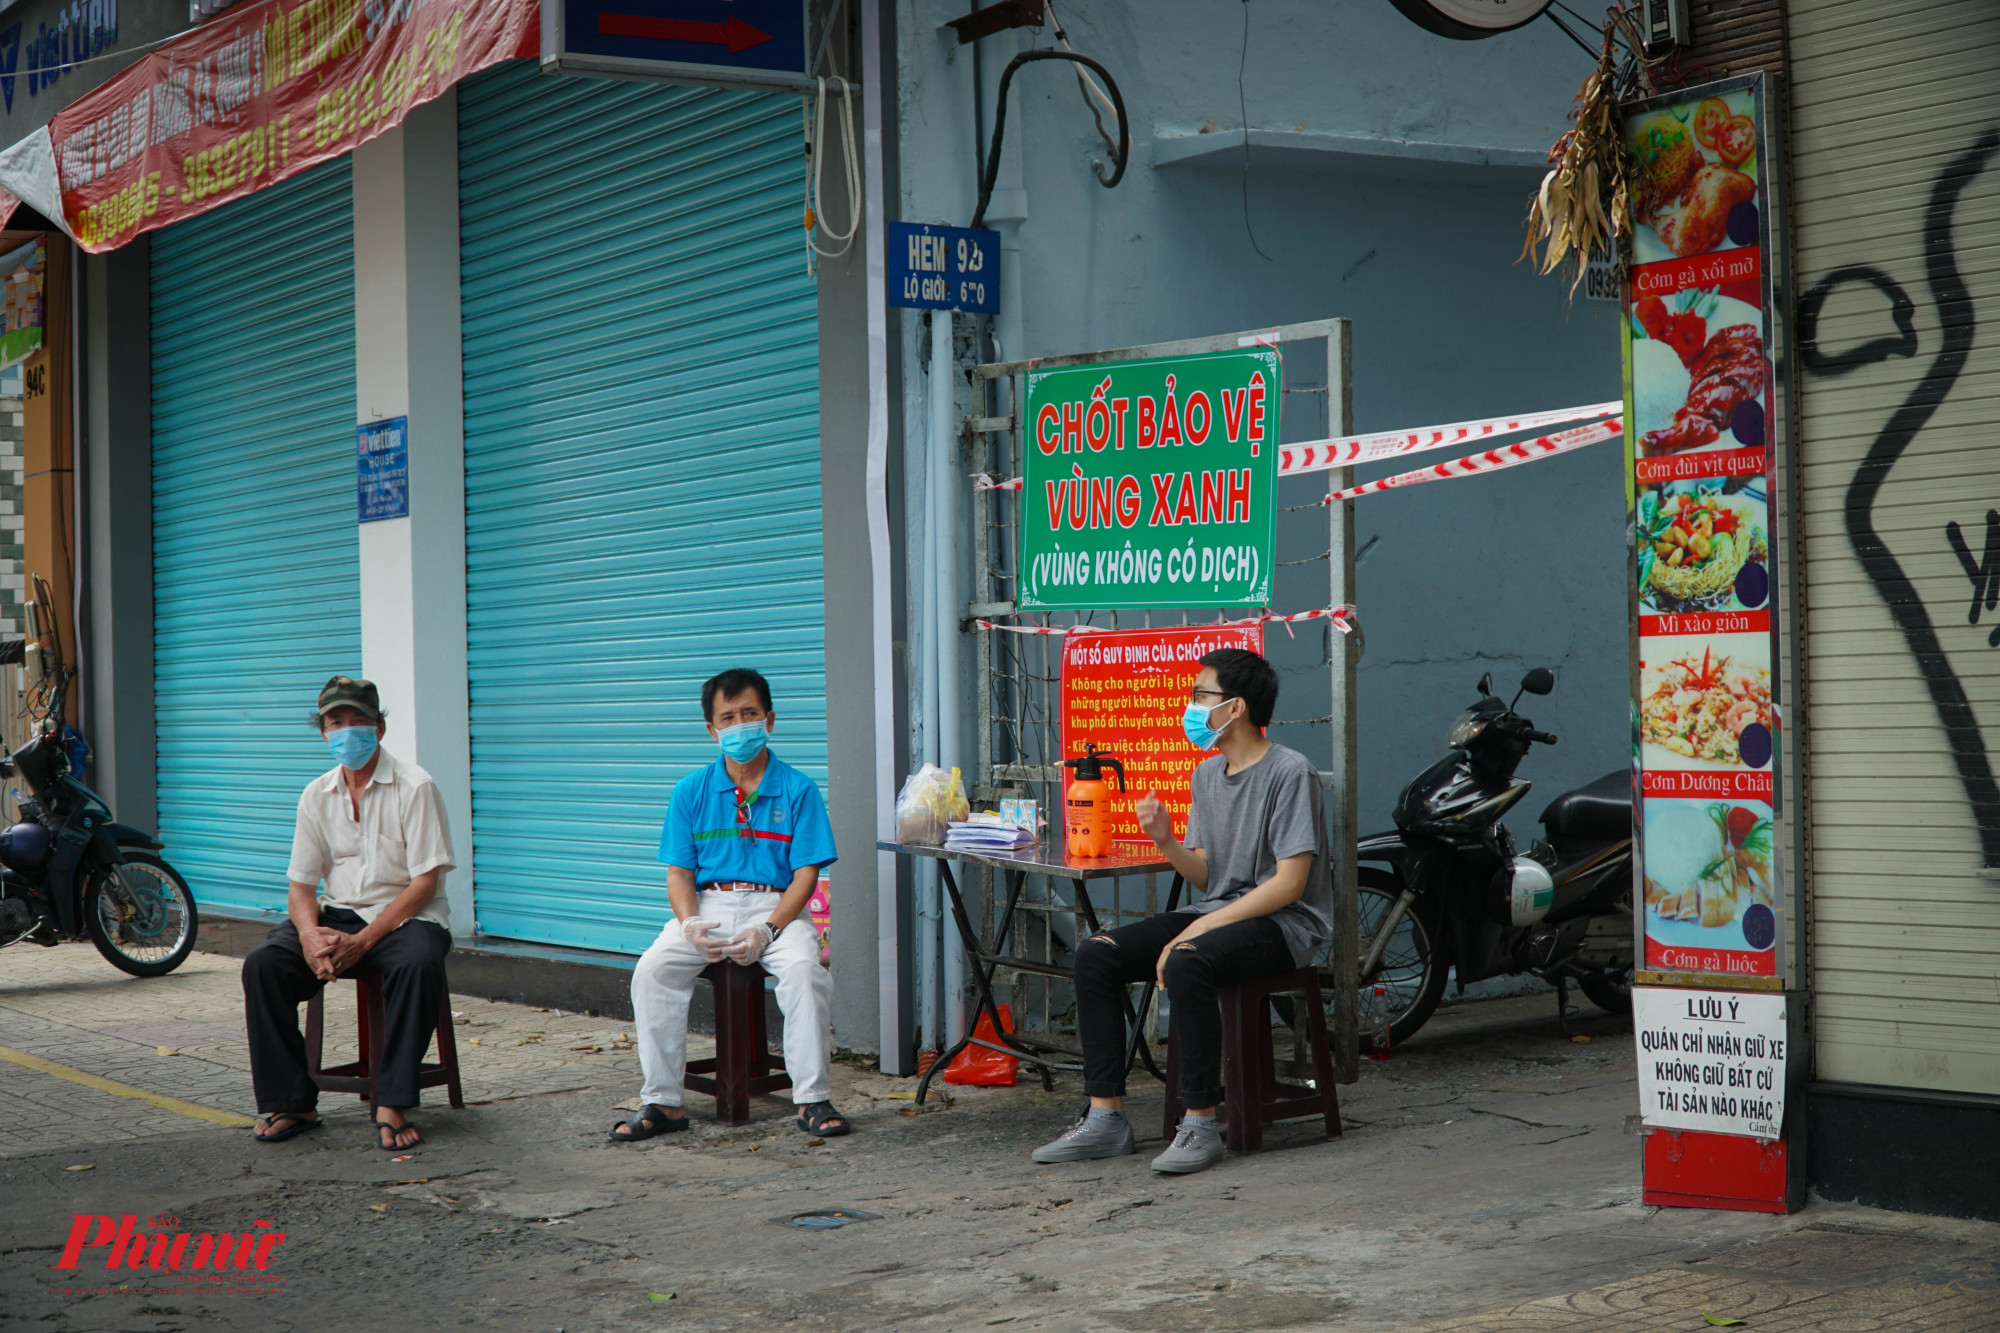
[[1256, 852]]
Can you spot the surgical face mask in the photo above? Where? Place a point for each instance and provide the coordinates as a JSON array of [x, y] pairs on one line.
[[1194, 722], [744, 741], [352, 746]]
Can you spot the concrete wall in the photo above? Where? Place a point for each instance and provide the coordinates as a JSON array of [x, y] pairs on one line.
[[1389, 174]]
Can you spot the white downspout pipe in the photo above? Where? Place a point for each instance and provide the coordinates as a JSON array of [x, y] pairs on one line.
[[947, 608]]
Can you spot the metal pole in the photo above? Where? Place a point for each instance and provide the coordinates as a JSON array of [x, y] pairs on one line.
[[1343, 651], [947, 610]]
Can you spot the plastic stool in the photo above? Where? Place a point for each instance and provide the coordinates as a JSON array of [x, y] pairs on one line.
[[360, 1077], [743, 1065], [1251, 1096]]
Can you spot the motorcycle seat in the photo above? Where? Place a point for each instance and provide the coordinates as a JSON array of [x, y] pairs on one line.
[[1600, 811]]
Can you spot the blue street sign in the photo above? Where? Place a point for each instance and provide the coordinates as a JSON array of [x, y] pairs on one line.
[[944, 268], [765, 39], [382, 468]]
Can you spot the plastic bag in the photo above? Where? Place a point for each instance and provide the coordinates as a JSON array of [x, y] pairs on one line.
[[930, 800], [979, 1067]]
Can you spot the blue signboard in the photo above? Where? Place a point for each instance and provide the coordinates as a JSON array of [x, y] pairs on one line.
[[750, 42], [382, 468], [944, 268]]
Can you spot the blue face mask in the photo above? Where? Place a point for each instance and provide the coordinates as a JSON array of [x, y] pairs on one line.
[[352, 746], [744, 741], [1194, 721]]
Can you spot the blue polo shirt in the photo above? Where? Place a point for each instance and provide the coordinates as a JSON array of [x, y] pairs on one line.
[[712, 831]]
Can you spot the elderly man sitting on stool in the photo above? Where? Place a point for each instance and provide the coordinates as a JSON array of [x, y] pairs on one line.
[[374, 829], [744, 842]]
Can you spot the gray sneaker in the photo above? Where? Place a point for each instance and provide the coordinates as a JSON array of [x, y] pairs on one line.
[[1085, 1142], [1192, 1150]]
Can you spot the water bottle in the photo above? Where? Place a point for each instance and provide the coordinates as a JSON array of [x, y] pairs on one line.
[[1378, 1023]]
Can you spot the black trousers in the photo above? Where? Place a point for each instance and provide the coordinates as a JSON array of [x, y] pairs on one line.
[[409, 967], [1239, 951]]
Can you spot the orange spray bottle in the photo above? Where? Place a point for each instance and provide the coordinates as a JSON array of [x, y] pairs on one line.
[[1087, 803]]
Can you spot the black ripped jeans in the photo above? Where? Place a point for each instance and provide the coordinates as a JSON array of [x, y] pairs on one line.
[[1105, 965]]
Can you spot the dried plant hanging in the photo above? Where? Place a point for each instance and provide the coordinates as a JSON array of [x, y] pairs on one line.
[[1585, 201]]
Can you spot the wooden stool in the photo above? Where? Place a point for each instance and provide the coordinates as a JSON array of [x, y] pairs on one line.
[[1251, 1098], [360, 1076], [743, 1065]]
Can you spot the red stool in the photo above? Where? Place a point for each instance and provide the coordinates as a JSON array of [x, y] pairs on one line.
[[360, 1076], [1251, 1098], [743, 1065]]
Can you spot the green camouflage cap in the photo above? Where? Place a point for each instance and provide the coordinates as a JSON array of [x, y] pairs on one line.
[[345, 691]]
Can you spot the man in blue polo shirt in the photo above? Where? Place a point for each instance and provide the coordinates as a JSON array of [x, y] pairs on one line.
[[744, 842]]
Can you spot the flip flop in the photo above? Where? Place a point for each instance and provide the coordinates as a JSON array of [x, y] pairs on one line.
[[813, 1119], [645, 1125], [298, 1126], [392, 1145]]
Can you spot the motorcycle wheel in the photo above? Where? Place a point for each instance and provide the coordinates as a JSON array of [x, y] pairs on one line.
[[1411, 970], [141, 915], [1609, 991]]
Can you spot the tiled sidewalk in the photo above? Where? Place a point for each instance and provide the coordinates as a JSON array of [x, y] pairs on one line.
[[68, 1005], [1822, 1278]]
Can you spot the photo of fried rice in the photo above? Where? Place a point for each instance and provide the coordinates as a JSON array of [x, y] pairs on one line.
[[1693, 543], [1697, 704]]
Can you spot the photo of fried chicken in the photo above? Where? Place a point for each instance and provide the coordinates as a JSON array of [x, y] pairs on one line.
[[1698, 220], [1728, 372]]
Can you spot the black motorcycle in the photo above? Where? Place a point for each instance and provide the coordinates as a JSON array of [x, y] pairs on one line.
[[1448, 888], [68, 869]]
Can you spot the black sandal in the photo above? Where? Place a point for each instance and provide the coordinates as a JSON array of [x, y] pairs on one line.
[[813, 1118], [645, 1125], [394, 1130], [298, 1126]]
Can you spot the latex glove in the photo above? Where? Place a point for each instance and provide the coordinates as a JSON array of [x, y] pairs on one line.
[[746, 946], [701, 934]]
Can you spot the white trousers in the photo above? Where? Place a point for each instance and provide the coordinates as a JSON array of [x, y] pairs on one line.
[[663, 986]]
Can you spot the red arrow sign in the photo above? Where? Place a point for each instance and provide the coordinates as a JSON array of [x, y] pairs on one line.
[[732, 33]]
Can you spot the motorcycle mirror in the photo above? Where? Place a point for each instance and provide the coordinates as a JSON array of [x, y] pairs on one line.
[[1486, 685], [1539, 681]]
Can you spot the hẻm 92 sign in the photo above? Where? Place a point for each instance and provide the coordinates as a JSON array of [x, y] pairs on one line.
[[1151, 483]]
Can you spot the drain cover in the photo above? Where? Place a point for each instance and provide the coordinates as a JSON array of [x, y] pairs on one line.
[[824, 1219]]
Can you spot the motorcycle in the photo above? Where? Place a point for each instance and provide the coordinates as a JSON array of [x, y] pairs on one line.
[[1448, 889], [68, 868]]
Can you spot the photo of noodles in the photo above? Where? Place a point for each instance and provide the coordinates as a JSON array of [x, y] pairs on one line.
[[1694, 542], [1697, 703]]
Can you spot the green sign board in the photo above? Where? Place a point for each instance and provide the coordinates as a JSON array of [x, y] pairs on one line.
[[1151, 483]]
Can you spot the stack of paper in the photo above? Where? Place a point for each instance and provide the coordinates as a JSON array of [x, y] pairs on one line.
[[987, 833]]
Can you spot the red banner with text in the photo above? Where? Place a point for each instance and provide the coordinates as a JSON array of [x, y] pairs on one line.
[[1124, 691], [261, 94]]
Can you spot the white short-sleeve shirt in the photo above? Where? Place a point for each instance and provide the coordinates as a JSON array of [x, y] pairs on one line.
[[367, 863]]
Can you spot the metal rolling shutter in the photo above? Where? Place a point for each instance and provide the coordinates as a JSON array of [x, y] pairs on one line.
[[256, 585], [1888, 101], [641, 474]]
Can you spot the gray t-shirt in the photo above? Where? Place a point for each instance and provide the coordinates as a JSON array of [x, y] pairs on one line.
[[1249, 821]]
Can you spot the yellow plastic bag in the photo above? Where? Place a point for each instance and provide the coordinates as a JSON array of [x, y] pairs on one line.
[[930, 801]]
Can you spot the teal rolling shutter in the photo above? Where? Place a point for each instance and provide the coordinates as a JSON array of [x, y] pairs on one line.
[[256, 582], [641, 474]]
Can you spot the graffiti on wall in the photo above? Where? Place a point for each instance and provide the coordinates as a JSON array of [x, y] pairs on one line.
[[1957, 321]]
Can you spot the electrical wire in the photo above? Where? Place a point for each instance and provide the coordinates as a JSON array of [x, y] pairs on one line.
[[1124, 152], [1094, 95], [852, 171], [1243, 108]]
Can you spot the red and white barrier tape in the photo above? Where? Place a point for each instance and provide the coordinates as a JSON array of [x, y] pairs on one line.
[[1341, 616], [1347, 450], [1492, 460]]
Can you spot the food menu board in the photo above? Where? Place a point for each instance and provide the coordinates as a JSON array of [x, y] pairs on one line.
[[1702, 416]]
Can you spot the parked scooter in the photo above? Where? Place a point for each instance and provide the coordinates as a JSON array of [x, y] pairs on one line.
[[68, 869], [1448, 888]]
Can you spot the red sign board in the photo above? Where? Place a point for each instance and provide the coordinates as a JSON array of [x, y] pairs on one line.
[[1124, 691], [262, 93]]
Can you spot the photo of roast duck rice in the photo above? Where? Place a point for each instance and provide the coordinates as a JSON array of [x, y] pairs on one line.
[[1728, 373], [1698, 707]]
